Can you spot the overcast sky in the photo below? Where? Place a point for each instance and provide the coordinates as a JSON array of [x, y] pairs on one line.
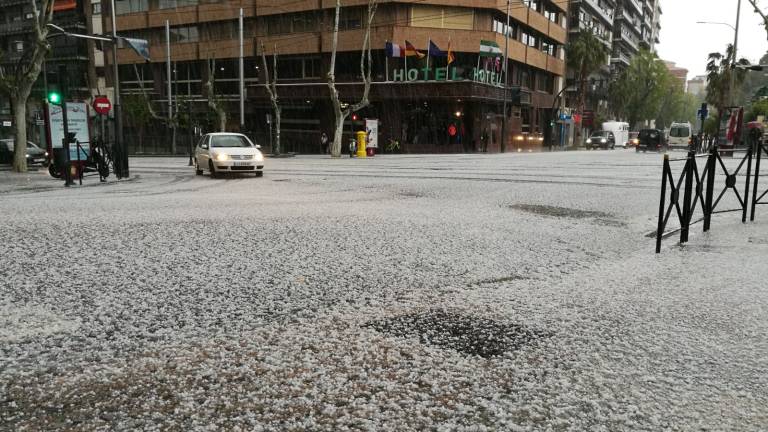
[[688, 44]]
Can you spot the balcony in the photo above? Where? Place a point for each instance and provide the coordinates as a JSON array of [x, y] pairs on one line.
[[16, 27], [636, 5], [620, 58], [606, 15]]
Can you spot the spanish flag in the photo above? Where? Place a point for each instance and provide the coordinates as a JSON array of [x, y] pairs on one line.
[[451, 57], [411, 51]]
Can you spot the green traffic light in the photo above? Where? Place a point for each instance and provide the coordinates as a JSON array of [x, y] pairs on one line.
[[54, 98]]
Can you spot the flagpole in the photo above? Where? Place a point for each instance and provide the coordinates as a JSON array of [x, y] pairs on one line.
[[386, 62], [429, 43], [503, 143], [405, 61], [448, 60]]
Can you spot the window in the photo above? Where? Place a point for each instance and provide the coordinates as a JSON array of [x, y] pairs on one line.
[[96, 9], [549, 48], [184, 34], [528, 39], [458, 18], [500, 27], [298, 23], [130, 6], [533, 4], [351, 18], [298, 68], [550, 15], [172, 4]]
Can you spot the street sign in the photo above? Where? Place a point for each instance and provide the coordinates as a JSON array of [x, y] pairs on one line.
[[102, 105], [703, 112]]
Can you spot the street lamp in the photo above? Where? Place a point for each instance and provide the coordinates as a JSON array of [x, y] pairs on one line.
[[735, 46]]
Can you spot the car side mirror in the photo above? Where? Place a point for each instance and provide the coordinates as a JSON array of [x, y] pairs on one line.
[[258, 147], [204, 146]]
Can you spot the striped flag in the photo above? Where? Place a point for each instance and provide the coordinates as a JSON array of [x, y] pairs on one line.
[[451, 57], [394, 50], [489, 49], [411, 51]]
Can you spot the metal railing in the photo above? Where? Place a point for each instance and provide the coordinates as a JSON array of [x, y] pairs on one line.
[[697, 188]]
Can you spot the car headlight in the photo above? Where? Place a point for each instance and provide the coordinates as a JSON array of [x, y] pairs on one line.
[[259, 157], [589, 140], [27, 155], [603, 140], [221, 156], [46, 154]]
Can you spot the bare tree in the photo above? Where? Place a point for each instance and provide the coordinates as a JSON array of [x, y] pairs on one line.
[[365, 57], [148, 112], [16, 81], [272, 91], [213, 102], [761, 13]]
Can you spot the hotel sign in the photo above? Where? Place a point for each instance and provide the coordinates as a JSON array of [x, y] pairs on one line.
[[443, 74]]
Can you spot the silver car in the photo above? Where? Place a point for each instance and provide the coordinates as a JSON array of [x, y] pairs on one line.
[[228, 152]]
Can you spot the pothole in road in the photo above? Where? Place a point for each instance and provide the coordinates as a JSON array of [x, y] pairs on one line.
[[463, 333]]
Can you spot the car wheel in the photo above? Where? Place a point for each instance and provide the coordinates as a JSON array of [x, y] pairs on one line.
[[198, 171], [212, 170], [54, 171]]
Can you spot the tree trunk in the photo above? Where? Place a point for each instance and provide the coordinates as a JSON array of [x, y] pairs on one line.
[[222, 117], [20, 122], [278, 114], [173, 140]]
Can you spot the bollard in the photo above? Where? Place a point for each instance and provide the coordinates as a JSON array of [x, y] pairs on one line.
[[711, 167], [660, 228], [686, 222], [760, 150], [360, 144]]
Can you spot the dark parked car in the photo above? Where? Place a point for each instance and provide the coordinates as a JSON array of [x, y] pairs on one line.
[[602, 139], [35, 155], [651, 140]]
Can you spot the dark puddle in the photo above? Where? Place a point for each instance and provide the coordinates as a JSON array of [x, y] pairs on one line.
[[464, 333], [600, 218]]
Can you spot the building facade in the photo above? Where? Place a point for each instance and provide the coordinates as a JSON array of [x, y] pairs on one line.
[[680, 74], [697, 86], [625, 26], [422, 102], [68, 68]]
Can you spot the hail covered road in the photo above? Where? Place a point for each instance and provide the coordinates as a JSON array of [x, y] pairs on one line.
[[411, 292]]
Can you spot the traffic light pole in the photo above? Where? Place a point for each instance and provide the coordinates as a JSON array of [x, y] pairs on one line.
[[65, 143], [122, 171]]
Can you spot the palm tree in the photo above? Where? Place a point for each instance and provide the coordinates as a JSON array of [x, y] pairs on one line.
[[585, 54], [719, 78]]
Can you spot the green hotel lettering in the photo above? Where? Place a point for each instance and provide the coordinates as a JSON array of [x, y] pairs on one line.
[[441, 74]]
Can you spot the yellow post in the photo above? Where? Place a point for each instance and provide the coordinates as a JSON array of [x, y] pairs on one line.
[[360, 144]]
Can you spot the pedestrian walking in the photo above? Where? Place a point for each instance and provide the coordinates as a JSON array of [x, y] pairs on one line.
[[352, 147], [324, 143]]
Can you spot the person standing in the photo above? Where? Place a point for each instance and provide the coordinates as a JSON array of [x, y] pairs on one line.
[[324, 143]]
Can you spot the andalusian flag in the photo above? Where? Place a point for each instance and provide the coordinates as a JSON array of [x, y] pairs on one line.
[[489, 49], [411, 50]]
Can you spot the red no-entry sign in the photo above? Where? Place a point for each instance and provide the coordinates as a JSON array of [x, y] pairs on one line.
[[102, 105]]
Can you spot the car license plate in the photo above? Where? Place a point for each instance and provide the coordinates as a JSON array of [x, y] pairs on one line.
[[242, 163]]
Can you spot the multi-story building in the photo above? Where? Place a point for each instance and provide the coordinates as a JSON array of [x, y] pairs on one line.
[[625, 26], [66, 68], [679, 73], [697, 86], [424, 103], [596, 16]]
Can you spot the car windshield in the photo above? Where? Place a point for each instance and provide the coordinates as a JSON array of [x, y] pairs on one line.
[[599, 134], [650, 133], [679, 131], [229, 141]]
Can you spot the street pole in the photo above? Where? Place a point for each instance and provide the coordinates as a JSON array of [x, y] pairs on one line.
[[242, 76], [503, 144], [122, 165], [169, 82], [733, 60]]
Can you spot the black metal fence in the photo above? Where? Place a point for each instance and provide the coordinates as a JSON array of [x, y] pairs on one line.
[[703, 183]]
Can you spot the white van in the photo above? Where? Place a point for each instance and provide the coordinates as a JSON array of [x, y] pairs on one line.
[[620, 132], [680, 135]]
